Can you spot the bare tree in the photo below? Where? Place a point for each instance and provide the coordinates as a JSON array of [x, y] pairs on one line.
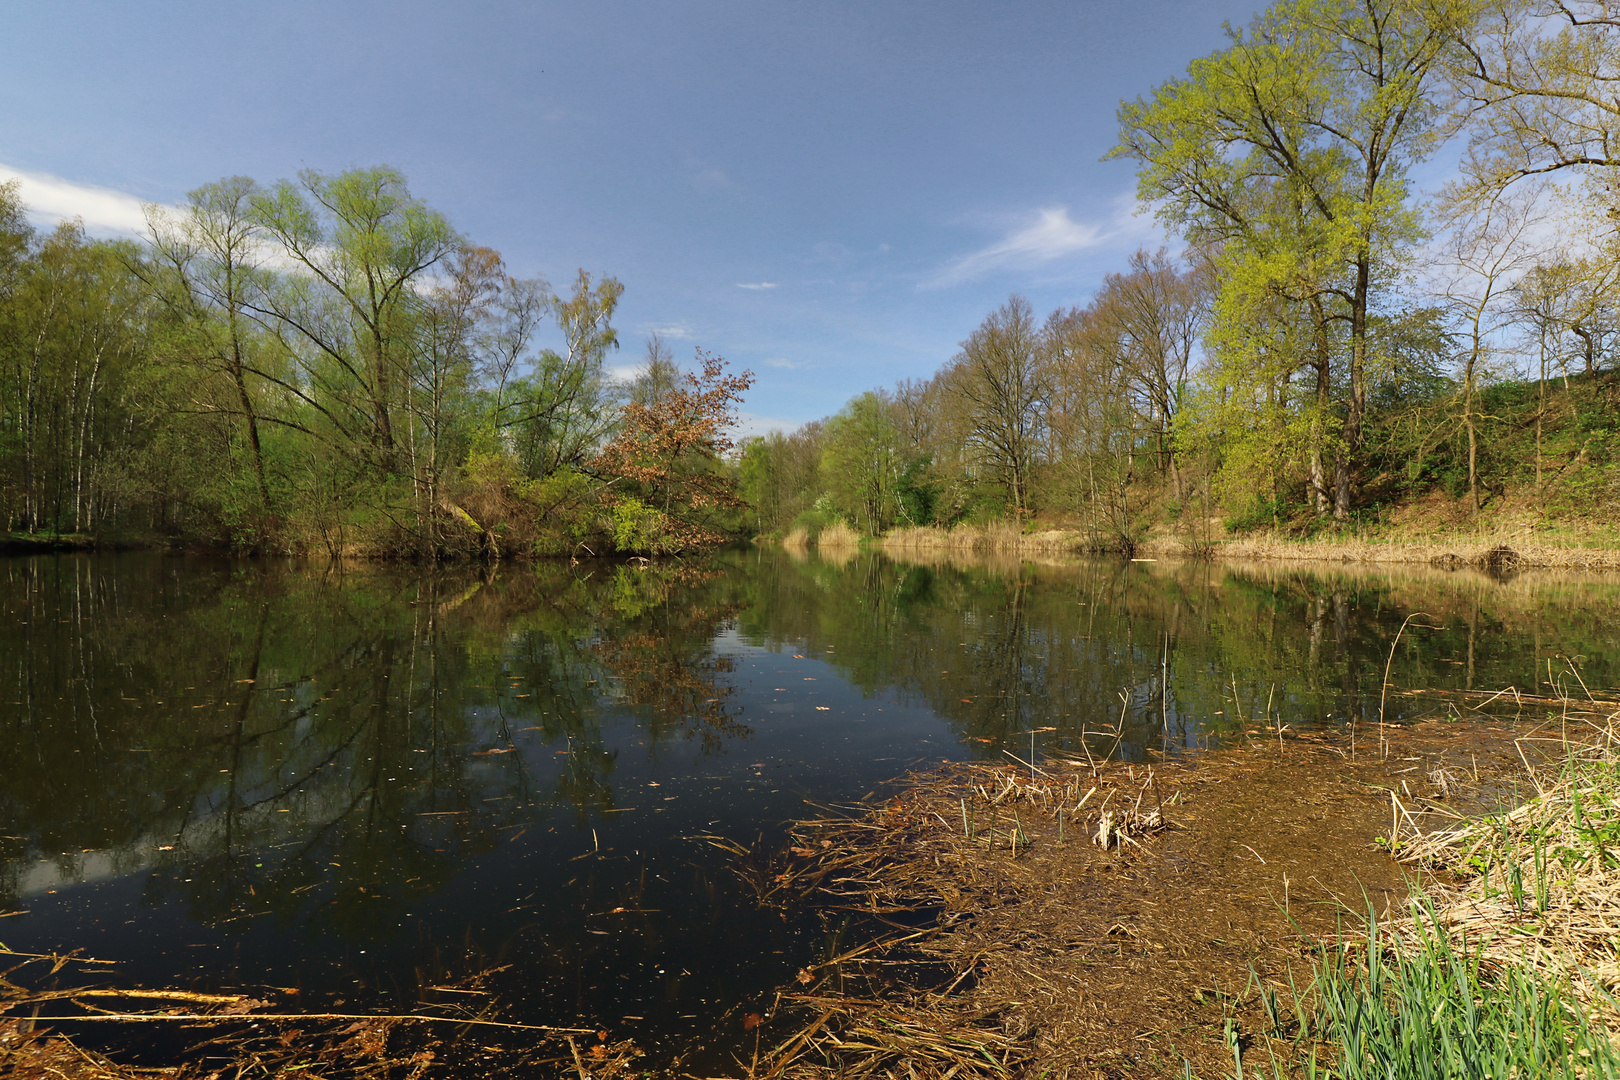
[[1149, 319], [1482, 258], [999, 391], [658, 377]]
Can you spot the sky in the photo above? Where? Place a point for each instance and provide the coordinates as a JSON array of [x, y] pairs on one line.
[[832, 195]]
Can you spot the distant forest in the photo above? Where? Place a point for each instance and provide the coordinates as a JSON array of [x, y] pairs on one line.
[[325, 364]]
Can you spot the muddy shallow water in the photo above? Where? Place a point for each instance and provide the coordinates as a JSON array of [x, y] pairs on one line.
[[357, 782]]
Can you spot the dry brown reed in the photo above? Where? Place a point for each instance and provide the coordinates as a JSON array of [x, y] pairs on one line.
[[1084, 918], [44, 1028], [1538, 886], [838, 535], [999, 536], [1499, 554], [1504, 554]]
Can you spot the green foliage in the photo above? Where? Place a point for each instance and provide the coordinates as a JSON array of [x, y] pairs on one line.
[[1263, 512], [860, 464], [813, 520], [1432, 1008], [637, 527], [1285, 157]]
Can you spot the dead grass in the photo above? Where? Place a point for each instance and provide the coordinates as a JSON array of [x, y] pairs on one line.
[[1538, 886], [88, 1030], [1090, 919], [838, 535], [991, 538], [1501, 554]]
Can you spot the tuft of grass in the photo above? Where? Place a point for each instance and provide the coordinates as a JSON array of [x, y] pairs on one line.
[[838, 535], [1422, 1004], [1427, 1005]]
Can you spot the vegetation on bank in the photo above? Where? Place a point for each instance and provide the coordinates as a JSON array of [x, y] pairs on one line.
[[1332, 351], [326, 364], [1134, 971]]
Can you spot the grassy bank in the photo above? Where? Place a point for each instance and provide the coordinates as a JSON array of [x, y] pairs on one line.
[[1500, 552]]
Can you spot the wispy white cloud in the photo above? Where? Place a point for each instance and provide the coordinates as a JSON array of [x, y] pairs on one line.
[[751, 424], [1050, 236], [706, 176], [757, 285], [51, 199], [675, 332], [782, 362]]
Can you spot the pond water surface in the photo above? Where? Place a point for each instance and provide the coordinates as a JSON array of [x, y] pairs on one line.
[[361, 781]]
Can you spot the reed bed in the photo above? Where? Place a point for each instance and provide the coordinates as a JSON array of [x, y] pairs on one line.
[[1186, 918], [1538, 886], [1504, 554], [1000, 536], [1085, 917], [980, 826], [838, 535]]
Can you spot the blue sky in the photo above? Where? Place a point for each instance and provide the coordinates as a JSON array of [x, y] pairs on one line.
[[830, 194]]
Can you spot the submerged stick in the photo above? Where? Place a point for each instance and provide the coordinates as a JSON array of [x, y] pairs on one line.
[[244, 1018]]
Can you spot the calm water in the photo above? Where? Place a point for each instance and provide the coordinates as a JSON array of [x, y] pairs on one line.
[[359, 782]]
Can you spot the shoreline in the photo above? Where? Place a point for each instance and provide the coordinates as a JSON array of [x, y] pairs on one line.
[[1499, 553], [1124, 919]]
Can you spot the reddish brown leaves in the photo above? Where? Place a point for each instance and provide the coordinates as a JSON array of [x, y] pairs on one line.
[[667, 452]]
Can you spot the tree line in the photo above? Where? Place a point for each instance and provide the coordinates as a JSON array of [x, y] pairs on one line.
[[1330, 340], [327, 364]]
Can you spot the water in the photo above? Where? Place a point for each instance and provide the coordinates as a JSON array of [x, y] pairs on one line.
[[361, 783]]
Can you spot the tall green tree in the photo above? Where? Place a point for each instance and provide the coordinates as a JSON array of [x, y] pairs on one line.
[[1286, 155], [363, 246], [861, 463], [75, 332], [206, 270]]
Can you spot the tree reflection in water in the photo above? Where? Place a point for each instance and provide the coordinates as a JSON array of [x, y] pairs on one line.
[[342, 777]]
